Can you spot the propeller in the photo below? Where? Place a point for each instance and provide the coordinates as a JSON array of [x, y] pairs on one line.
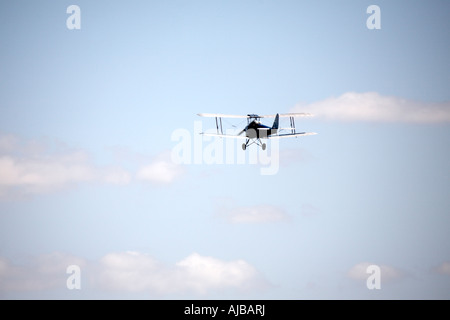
[[243, 130]]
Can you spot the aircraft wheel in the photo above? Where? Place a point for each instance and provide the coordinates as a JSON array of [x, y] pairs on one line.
[[244, 146], [263, 146]]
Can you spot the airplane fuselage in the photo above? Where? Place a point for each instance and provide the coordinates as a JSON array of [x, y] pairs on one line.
[[256, 130]]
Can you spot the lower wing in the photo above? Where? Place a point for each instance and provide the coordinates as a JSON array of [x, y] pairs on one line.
[[275, 136], [223, 135], [291, 135]]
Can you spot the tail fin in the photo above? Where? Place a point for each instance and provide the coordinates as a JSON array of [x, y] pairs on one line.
[[276, 122]]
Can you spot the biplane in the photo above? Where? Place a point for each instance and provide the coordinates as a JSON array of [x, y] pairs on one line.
[[255, 130]]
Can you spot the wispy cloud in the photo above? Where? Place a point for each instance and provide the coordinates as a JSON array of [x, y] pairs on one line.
[[371, 106], [309, 210], [47, 271], [443, 268], [160, 170], [294, 156], [31, 167], [115, 175], [264, 213], [40, 173]]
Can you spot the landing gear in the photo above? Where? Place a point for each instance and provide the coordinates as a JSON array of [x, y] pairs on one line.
[[245, 145], [257, 141]]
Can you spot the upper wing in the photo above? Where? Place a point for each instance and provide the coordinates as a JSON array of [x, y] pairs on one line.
[[220, 115], [291, 135], [223, 135], [284, 115]]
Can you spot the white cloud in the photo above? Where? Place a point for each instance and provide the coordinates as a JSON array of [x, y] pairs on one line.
[[131, 272], [139, 272], [253, 214], [388, 273], [371, 106], [161, 170], [202, 274]]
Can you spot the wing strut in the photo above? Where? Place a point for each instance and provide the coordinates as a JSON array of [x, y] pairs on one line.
[[219, 125], [292, 124]]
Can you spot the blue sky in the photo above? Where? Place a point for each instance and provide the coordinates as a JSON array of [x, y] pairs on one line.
[[87, 175]]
